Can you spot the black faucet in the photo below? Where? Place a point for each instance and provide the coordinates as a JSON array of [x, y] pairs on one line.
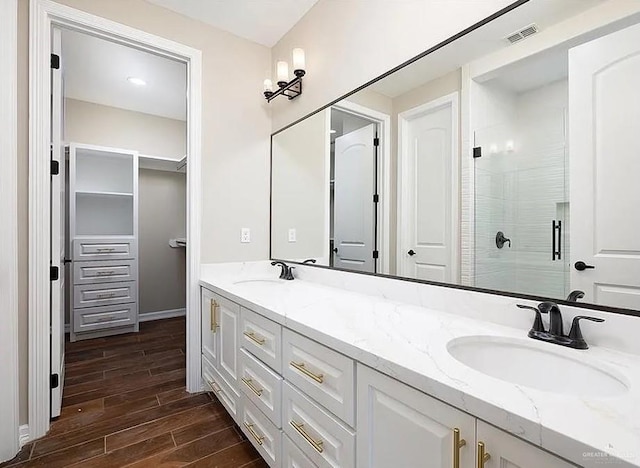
[[575, 295], [555, 334], [286, 271], [310, 260]]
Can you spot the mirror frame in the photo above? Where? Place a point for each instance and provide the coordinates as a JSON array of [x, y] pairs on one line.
[[464, 32]]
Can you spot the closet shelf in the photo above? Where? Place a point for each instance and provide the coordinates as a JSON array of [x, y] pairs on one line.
[[178, 243], [99, 193]]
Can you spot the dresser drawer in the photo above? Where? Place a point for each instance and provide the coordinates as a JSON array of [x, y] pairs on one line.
[[262, 386], [103, 249], [222, 390], [326, 441], [293, 457], [323, 374], [89, 295], [107, 271], [98, 318], [262, 338], [264, 436]]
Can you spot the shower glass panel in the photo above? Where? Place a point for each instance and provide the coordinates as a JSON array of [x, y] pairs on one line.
[[521, 190]]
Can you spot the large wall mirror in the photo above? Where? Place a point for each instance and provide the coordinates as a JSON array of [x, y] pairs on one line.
[[507, 159]]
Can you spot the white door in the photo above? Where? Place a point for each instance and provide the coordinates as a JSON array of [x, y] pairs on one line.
[[401, 427], [508, 451], [428, 181], [354, 209], [58, 238], [604, 118]]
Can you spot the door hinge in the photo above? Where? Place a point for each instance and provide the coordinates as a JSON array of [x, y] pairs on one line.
[[376, 141], [55, 61], [375, 254], [477, 151], [55, 381], [376, 198], [54, 273], [55, 167]]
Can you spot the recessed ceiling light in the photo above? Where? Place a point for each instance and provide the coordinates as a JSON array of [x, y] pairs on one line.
[[332, 131], [136, 81]]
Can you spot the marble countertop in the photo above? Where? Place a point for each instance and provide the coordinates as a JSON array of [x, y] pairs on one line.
[[409, 343]]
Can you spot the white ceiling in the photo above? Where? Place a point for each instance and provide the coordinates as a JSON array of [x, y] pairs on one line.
[[261, 21], [96, 70], [489, 38]]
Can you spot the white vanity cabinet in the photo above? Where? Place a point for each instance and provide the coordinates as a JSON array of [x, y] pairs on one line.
[[401, 426]]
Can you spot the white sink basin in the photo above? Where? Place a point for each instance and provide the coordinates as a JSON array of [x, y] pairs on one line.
[[540, 366], [266, 281]]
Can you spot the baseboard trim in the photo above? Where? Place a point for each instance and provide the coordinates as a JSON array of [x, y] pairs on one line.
[[162, 314], [23, 435]]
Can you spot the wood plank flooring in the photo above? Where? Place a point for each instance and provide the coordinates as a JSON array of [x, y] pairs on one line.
[[125, 404]]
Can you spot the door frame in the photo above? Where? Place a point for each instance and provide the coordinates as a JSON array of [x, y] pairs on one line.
[[451, 100], [384, 177], [43, 15], [9, 433]]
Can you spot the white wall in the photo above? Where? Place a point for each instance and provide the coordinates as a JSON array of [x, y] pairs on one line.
[[86, 122], [348, 43], [235, 138]]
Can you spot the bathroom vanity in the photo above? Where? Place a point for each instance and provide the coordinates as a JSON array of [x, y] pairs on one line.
[[336, 369]]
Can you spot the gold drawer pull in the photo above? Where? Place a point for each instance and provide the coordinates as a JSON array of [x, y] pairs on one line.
[[252, 336], [254, 389], [105, 249], [104, 319], [316, 444], [300, 366], [458, 443], [214, 324], [253, 433], [105, 273], [214, 386], [105, 295], [482, 455]]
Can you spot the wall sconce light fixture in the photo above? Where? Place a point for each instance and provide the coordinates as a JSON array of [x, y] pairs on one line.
[[291, 89]]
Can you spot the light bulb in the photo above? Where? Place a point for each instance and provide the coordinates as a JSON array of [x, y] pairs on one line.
[[298, 62], [268, 86], [282, 69]]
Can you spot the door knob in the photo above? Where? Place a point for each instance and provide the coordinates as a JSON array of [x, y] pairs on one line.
[[581, 266], [335, 249], [411, 253]]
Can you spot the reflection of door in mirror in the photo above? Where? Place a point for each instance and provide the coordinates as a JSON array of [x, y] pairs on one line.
[[353, 213], [604, 118]]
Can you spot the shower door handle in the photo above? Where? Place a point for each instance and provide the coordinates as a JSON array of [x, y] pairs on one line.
[[556, 240]]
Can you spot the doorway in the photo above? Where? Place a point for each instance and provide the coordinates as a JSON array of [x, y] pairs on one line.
[[47, 16]]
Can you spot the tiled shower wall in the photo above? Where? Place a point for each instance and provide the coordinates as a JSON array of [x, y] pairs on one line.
[[521, 186]]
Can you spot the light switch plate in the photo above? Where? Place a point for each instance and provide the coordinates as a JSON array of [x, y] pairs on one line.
[[245, 235], [292, 235]]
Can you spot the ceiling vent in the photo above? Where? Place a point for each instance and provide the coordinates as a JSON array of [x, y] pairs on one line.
[[522, 34]]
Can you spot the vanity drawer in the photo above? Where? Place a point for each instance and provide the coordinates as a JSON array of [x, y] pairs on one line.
[[322, 438], [106, 271], [264, 436], [89, 295], [98, 318], [323, 374], [262, 386], [293, 457], [103, 249], [224, 393], [262, 338]]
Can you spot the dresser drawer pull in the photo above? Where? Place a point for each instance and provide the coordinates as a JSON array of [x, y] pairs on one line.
[[105, 249], [214, 386], [105, 273], [301, 367], [214, 307], [105, 295], [253, 433], [254, 389], [316, 444], [252, 336]]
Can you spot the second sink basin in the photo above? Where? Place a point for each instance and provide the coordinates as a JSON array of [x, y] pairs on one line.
[[529, 364], [265, 281]]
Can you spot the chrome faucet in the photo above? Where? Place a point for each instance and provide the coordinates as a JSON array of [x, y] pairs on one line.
[[286, 272], [556, 334]]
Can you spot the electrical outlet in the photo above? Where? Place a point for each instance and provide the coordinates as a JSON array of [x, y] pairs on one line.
[[292, 235], [245, 235]]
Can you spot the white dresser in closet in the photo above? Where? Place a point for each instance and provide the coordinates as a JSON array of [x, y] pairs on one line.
[[103, 233]]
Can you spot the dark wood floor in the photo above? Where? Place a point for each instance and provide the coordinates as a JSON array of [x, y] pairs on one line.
[[125, 404]]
